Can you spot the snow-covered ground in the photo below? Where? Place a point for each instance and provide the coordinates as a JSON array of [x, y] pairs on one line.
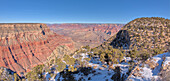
[[100, 73], [148, 74]]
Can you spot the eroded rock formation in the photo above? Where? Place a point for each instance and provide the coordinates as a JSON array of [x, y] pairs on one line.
[[23, 46], [86, 34]]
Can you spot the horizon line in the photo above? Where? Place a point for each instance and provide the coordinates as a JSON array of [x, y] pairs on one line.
[[62, 22]]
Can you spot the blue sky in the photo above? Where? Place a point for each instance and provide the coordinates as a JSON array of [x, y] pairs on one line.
[[81, 11]]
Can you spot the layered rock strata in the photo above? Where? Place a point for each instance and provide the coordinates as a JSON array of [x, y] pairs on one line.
[[86, 34], [23, 46]]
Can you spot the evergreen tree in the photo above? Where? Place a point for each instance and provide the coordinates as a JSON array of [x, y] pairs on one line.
[[117, 75]]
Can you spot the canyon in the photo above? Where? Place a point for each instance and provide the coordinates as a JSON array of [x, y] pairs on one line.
[[86, 34], [66, 51], [23, 46], [26, 45]]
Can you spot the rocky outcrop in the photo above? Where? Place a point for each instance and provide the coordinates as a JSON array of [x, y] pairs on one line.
[[142, 33], [23, 46], [86, 34], [149, 33]]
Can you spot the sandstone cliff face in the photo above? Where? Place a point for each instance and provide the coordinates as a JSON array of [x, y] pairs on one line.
[[86, 34], [23, 46]]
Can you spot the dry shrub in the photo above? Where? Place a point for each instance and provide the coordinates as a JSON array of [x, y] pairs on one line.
[[95, 67], [137, 69], [157, 64], [89, 65], [111, 67], [141, 70], [101, 68], [78, 66], [105, 66]]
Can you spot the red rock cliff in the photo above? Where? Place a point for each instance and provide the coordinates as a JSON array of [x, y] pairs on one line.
[[23, 46]]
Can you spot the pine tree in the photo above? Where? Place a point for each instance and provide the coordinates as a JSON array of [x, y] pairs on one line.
[[117, 75]]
